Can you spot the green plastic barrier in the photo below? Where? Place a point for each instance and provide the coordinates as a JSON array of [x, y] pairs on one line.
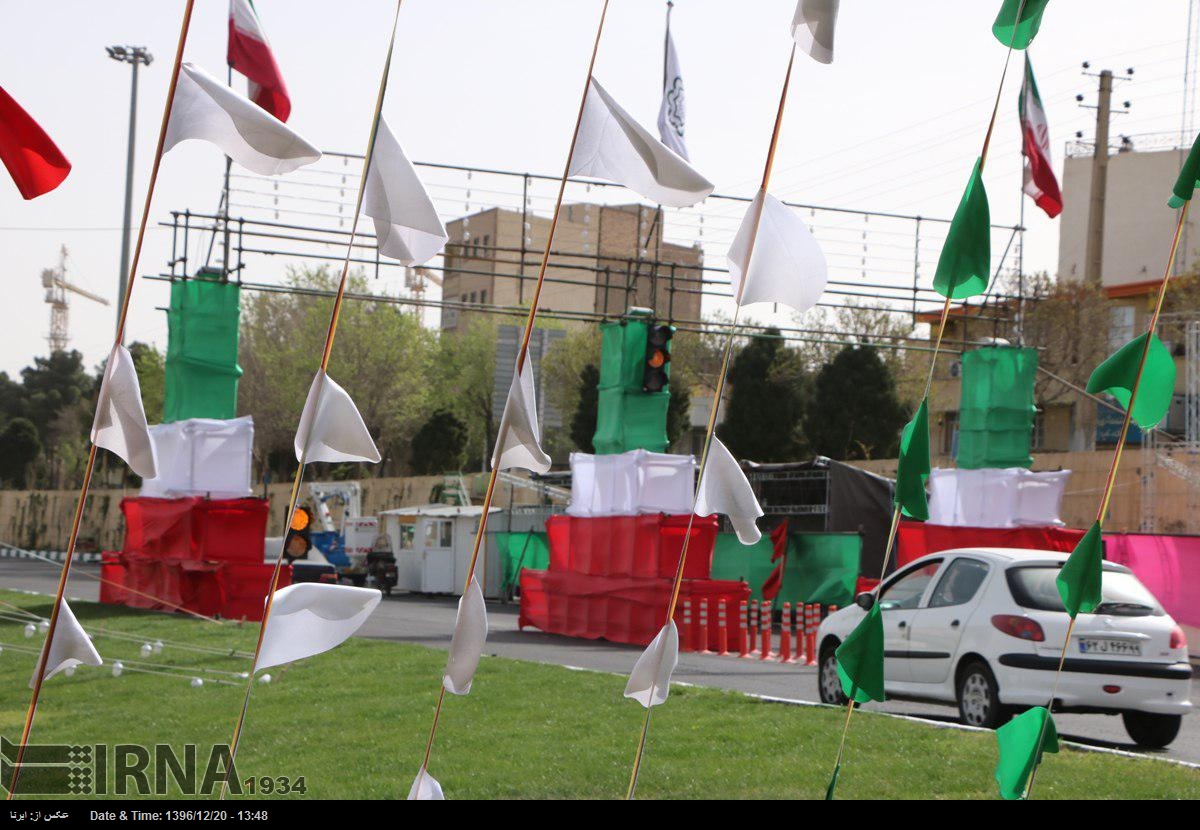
[[522, 550], [202, 348], [821, 567], [628, 418], [996, 413]]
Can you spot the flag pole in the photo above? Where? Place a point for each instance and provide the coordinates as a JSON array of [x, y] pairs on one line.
[[521, 355], [710, 429], [90, 467], [331, 333], [937, 347]]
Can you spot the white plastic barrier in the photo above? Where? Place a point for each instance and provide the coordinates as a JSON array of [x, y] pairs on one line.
[[630, 483], [1011, 497], [202, 456]]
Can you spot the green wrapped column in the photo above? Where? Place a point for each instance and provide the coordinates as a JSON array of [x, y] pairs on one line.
[[202, 371], [997, 409]]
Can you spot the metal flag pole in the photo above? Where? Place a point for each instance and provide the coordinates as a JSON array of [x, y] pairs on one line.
[[90, 467]]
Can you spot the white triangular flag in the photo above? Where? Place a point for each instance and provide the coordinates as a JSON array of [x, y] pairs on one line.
[[310, 617], [672, 112], [725, 489], [519, 441], [650, 681], [611, 145], [120, 422], [334, 427], [71, 646], [774, 258], [206, 109], [466, 647], [407, 226], [812, 28], [425, 788]]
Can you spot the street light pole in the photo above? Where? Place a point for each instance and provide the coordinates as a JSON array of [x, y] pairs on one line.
[[135, 56]]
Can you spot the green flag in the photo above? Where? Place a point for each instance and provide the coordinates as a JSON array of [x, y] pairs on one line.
[[1079, 580], [914, 465], [964, 267], [1026, 27], [860, 659], [1118, 374], [1022, 741], [1189, 178]]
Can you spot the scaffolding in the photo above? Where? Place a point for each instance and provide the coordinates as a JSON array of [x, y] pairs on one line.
[[1170, 459]]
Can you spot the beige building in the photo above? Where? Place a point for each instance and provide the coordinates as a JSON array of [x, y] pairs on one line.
[[606, 258]]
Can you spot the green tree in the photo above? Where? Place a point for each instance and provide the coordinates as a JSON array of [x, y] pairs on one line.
[[151, 372], [679, 413], [54, 385], [463, 382], [439, 445], [855, 412], [583, 422], [766, 404], [21, 448]]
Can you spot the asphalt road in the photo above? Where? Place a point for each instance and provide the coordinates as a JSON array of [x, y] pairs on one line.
[[430, 622]]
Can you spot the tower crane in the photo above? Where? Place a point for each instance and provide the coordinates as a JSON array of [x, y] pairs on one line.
[[54, 280]]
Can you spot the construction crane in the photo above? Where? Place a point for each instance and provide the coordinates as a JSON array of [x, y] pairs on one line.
[[414, 281], [54, 280]]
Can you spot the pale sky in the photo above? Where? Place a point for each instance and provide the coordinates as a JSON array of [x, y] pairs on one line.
[[893, 125]]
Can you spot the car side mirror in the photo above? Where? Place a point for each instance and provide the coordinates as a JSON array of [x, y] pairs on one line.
[[865, 600]]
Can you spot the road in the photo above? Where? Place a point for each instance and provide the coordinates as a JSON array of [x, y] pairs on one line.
[[430, 622]]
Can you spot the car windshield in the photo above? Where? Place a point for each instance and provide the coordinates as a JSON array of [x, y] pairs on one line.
[[1033, 586]]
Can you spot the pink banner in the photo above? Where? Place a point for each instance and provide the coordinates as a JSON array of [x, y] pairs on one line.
[[1168, 565]]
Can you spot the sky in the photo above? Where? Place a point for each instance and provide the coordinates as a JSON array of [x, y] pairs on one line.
[[894, 124]]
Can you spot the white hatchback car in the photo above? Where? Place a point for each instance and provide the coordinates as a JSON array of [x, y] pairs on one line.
[[983, 628]]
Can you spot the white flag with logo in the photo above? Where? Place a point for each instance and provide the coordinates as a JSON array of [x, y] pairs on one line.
[[519, 442], [812, 28], [310, 617], [774, 258], [407, 226], [333, 426], [725, 489], [466, 646], [71, 646], [206, 109], [611, 145], [671, 113], [650, 681], [120, 423]]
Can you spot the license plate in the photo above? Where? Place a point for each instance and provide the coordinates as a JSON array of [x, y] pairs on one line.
[[1104, 645]]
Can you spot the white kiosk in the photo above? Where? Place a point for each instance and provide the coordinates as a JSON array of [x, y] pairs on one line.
[[432, 544]]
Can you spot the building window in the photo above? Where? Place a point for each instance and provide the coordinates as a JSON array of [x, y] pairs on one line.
[[483, 297], [1037, 440], [1120, 327], [472, 298], [950, 434]]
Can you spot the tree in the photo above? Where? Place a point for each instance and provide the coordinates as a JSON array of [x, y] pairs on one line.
[[21, 448], [766, 405], [855, 412], [679, 413], [151, 373], [583, 422], [463, 383], [439, 445], [52, 385]]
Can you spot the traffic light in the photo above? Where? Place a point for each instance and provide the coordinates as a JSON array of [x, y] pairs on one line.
[[298, 543], [655, 375]]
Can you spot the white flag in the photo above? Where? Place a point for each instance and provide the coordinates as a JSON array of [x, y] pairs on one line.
[[407, 226], [519, 441], [673, 110], [71, 646], [812, 28], [774, 258], [725, 489], [425, 788], [310, 617], [206, 109], [466, 647], [650, 681], [611, 145], [120, 422], [335, 430]]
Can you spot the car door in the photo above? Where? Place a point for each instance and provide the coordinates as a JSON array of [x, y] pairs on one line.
[[938, 625], [899, 599]]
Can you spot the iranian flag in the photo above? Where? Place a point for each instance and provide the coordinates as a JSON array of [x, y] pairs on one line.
[[250, 54], [1040, 183]]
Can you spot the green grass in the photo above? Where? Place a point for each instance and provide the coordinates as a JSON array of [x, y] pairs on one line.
[[354, 721]]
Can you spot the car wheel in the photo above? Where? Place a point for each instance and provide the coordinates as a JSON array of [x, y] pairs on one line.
[[979, 697], [1149, 730], [829, 685]]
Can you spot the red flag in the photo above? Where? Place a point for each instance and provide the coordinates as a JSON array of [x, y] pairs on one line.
[[1040, 183], [250, 54], [36, 165], [779, 541]]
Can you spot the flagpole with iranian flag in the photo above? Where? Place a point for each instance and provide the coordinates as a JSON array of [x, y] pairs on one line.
[[1039, 182]]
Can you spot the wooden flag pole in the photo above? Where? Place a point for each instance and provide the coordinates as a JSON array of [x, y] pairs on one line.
[[90, 467], [330, 335], [710, 429], [521, 355]]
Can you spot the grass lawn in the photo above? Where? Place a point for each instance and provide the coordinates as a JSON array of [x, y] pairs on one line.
[[354, 721]]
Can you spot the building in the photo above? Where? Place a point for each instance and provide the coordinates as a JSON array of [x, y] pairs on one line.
[[606, 259]]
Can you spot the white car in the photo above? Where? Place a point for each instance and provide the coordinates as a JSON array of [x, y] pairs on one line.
[[984, 628]]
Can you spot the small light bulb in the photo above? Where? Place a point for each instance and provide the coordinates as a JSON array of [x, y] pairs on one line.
[[43, 626], [266, 678], [118, 667], [30, 630], [146, 649], [158, 646], [197, 682], [69, 671]]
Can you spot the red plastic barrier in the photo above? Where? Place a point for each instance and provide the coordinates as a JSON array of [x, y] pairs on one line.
[[230, 530], [159, 528], [112, 574], [915, 539], [645, 546]]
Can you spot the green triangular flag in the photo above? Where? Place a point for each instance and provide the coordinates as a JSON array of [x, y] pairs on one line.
[[965, 265], [1079, 580], [1027, 26], [1189, 178], [1020, 753], [914, 465], [833, 782], [1118, 373], [860, 659]]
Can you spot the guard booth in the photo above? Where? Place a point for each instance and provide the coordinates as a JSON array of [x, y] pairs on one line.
[[432, 544]]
